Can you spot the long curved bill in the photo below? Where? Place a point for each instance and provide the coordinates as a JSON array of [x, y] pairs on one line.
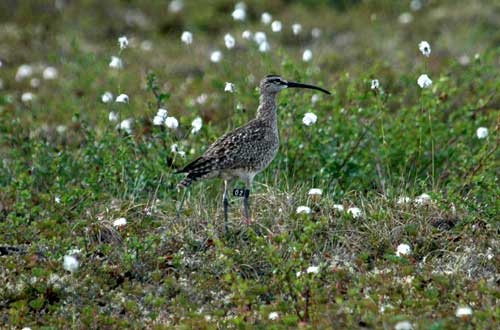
[[292, 84]]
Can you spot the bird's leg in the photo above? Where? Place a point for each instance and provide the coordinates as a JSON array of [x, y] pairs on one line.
[[246, 195], [225, 201], [182, 203]]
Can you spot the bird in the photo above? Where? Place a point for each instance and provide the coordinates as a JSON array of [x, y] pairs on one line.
[[245, 151]]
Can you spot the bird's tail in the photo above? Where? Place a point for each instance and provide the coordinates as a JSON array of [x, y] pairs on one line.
[[189, 179]]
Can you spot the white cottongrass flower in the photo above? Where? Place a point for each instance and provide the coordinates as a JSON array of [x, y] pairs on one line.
[[423, 199], [229, 41], [171, 122], [403, 325], [162, 113], [229, 87], [107, 97], [315, 192], [216, 56], [27, 97], [247, 35], [375, 84], [116, 62], [196, 125], [338, 207], [482, 132], [403, 200], [463, 311], [296, 28], [35, 82], [126, 125], [316, 33], [425, 48], [70, 264], [273, 316], [26, 328], [309, 119], [239, 13], [122, 98], [159, 118], [303, 209], [276, 26], [175, 6], [264, 47], [123, 42], [49, 73], [424, 81], [312, 270], [113, 116], [174, 148], [354, 211], [266, 18], [119, 222], [405, 18], [403, 250], [260, 37], [187, 37], [307, 55], [24, 71]]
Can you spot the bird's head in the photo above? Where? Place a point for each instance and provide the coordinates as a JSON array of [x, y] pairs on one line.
[[273, 84]]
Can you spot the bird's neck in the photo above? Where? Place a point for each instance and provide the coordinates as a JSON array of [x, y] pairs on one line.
[[268, 107]]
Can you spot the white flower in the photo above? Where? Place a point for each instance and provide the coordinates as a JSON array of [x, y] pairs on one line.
[[239, 14], [187, 37], [423, 199], [26, 328], [403, 200], [316, 33], [307, 55], [482, 132], [116, 62], [126, 125], [403, 325], [70, 264], [296, 28], [354, 211], [113, 116], [260, 37], [174, 148], [27, 97], [147, 45], [247, 35], [375, 84], [49, 73], [229, 87], [171, 122], [196, 125], [123, 42], [403, 250], [162, 113], [57, 199], [425, 48], [266, 18], [315, 191], [276, 26], [229, 41], [315, 98], [312, 269], [122, 98], [273, 316], [463, 311], [119, 222], [216, 56], [60, 129], [264, 47], [24, 71], [175, 6], [35, 82], [107, 97], [202, 98], [309, 119], [158, 121], [303, 209], [338, 207], [424, 81], [405, 18]]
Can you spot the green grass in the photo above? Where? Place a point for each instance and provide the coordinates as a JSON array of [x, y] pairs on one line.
[[67, 172]]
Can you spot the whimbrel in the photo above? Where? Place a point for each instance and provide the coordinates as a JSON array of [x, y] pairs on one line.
[[247, 150]]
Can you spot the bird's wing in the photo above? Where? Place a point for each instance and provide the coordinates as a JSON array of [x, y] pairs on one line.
[[232, 150]]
